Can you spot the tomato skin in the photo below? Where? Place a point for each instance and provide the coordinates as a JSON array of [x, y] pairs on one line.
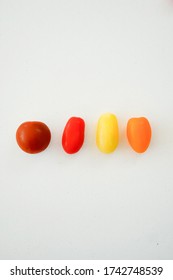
[[139, 134], [33, 137], [73, 135]]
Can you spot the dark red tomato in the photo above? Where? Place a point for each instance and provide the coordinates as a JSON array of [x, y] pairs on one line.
[[73, 135], [33, 137]]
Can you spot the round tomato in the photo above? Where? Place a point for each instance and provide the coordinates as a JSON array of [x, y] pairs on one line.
[[33, 137]]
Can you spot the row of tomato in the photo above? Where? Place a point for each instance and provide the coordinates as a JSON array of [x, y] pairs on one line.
[[34, 136]]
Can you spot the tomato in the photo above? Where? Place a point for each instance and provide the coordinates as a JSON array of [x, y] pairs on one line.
[[33, 137], [139, 134], [73, 135], [107, 133]]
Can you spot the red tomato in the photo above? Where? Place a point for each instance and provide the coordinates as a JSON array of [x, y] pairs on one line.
[[33, 137], [73, 135]]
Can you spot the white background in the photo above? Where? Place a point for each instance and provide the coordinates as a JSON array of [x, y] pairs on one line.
[[83, 58]]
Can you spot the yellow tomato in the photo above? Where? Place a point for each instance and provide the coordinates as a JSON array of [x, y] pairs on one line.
[[107, 133]]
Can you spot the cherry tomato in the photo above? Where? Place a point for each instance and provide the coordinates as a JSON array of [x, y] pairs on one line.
[[73, 135], [33, 137], [139, 134]]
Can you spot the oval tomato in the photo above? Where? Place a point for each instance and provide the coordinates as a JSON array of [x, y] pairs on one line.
[[107, 133], [33, 137], [139, 134], [73, 135]]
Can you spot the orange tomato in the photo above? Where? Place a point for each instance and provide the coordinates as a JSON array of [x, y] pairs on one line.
[[139, 134]]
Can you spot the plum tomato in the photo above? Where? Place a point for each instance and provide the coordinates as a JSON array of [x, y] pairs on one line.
[[73, 135], [139, 134]]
